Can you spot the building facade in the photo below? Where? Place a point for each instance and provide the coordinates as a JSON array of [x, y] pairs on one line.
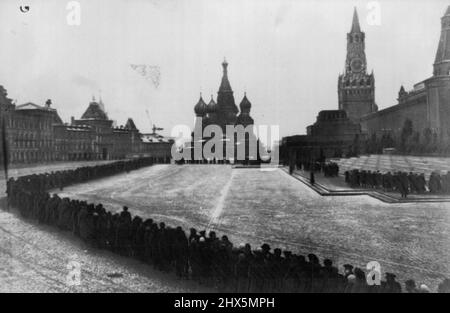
[[36, 134], [425, 109], [220, 116], [333, 135], [427, 105]]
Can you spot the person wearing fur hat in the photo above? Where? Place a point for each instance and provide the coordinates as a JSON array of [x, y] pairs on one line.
[[390, 285]]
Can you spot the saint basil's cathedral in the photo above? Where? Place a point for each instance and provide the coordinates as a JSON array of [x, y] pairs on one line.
[[220, 115]]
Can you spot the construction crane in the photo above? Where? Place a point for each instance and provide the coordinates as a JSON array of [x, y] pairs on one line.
[[148, 116], [154, 128]]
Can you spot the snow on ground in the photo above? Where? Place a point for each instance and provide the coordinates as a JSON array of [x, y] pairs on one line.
[[250, 205], [35, 258]]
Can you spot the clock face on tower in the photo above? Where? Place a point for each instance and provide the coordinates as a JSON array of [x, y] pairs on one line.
[[356, 65]]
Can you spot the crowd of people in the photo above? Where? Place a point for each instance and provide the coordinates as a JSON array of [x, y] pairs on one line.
[[198, 255], [402, 182], [330, 169]]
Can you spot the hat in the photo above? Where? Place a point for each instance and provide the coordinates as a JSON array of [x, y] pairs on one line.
[[390, 275], [327, 262], [348, 266], [265, 246], [202, 239]]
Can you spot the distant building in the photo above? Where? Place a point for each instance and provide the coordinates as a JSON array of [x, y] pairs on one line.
[[427, 105], [356, 88], [222, 114], [333, 135], [337, 133], [36, 134]]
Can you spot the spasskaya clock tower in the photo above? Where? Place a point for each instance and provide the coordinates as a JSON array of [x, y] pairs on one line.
[[356, 88]]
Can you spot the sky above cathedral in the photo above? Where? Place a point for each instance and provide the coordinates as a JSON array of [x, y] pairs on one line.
[[286, 55]]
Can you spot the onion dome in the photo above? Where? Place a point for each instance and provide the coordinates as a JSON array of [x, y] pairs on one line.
[[245, 105], [200, 107], [212, 106]]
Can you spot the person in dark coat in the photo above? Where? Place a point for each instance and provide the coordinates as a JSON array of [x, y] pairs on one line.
[[390, 285]]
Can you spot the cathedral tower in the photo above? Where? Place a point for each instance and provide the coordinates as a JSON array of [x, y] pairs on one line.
[[226, 107], [356, 88]]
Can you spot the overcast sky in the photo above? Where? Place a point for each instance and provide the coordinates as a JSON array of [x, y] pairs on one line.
[[286, 55]]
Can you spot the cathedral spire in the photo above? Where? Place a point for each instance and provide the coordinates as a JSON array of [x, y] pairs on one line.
[[355, 24], [225, 84]]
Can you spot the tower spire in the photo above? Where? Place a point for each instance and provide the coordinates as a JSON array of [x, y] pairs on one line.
[[355, 24], [225, 84], [442, 60], [361, 102]]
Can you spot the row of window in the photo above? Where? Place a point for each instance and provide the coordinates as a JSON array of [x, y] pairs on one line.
[[28, 124], [362, 83], [357, 91], [72, 146], [31, 156], [21, 143]]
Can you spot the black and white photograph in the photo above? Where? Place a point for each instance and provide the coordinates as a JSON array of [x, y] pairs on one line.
[[225, 152]]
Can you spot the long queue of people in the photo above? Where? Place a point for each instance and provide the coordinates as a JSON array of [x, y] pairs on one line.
[[204, 257], [402, 182], [329, 169]]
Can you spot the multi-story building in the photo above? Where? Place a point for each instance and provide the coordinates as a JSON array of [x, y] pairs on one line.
[[36, 134]]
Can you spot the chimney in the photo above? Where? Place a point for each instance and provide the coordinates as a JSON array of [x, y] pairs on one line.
[[72, 120]]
